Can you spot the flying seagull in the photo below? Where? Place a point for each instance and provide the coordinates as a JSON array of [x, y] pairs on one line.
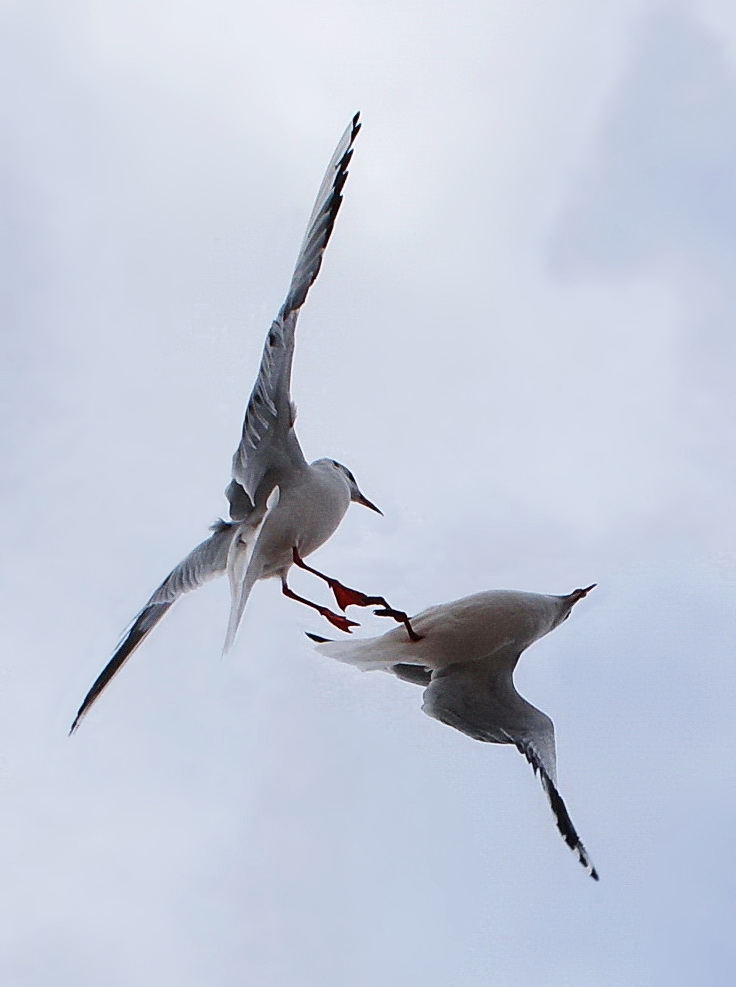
[[465, 660], [281, 507]]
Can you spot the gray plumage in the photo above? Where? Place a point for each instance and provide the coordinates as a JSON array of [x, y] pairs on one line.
[[278, 501], [465, 661]]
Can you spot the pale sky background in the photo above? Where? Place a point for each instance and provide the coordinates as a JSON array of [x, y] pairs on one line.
[[521, 342]]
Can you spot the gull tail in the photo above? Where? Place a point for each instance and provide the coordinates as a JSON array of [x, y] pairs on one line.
[[242, 578], [366, 654]]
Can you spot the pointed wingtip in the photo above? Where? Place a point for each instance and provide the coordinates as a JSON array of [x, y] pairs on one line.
[[82, 711], [562, 817]]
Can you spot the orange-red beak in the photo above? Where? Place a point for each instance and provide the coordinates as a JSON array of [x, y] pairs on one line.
[[578, 594]]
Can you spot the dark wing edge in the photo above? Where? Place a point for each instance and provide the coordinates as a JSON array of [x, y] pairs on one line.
[[269, 407], [499, 715], [416, 674], [321, 222], [559, 809], [207, 560]]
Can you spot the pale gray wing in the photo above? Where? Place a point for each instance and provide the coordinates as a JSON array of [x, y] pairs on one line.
[[475, 699], [207, 560], [268, 442]]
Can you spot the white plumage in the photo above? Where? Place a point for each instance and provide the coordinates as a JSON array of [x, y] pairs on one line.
[[465, 659], [279, 503]]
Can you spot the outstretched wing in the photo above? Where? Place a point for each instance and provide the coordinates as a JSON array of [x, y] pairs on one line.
[[207, 560], [529, 747], [476, 699], [268, 443]]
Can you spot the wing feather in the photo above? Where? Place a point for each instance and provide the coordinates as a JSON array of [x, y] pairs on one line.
[[417, 674], [268, 442], [559, 809], [480, 701], [207, 560]]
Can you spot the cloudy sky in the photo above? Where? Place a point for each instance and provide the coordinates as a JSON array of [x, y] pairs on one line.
[[522, 344]]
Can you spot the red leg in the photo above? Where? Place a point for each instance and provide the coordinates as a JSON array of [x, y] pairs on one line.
[[347, 597], [334, 618]]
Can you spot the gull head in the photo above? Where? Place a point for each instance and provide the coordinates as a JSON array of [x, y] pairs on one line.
[[568, 601], [355, 495]]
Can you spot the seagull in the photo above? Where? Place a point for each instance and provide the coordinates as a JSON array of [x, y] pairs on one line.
[[281, 507], [465, 661]]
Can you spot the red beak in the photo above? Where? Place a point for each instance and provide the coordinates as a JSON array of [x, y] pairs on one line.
[[578, 594]]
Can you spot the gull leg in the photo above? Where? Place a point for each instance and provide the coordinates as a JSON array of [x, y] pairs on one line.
[[334, 618], [347, 597]]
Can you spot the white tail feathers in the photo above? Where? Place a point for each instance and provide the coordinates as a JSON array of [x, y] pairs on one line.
[[366, 655], [241, 576]]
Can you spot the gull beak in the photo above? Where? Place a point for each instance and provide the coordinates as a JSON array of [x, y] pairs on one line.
[[360, 499], [578, 594]]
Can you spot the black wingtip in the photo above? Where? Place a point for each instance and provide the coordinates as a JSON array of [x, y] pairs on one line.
[[141, 627], [559, 810], [565, 826], [81, 713], [319, 232], [319, 640]]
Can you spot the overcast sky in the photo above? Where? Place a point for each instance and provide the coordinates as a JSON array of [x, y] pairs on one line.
[[521, 342]]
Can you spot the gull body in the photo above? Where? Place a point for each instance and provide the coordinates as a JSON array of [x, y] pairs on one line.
[[465, 659], [278, 501], [301, 514], [311, 505]]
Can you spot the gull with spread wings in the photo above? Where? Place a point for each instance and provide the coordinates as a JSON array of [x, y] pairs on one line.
[[465, 660], [281, 507]]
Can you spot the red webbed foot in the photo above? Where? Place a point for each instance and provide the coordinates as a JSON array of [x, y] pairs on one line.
[[337, 620], [346, 597]]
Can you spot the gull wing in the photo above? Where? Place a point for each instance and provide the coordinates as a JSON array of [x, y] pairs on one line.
[[268, 443], [207, 560], [477, 699], [416, 674]]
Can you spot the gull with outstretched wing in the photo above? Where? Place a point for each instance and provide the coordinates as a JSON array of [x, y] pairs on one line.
[[465, 659], [281, 507]]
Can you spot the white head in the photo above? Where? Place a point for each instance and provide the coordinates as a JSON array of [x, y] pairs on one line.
[[355, 494]]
